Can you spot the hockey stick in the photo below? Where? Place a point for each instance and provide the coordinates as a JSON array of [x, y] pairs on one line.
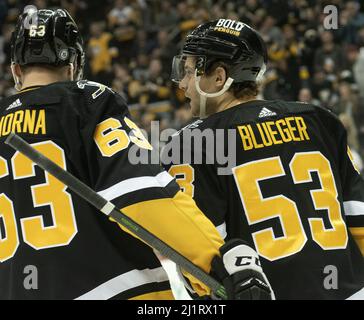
[[109, 209]]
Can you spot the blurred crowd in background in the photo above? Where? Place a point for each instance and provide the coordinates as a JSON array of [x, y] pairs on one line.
[[130, 45]]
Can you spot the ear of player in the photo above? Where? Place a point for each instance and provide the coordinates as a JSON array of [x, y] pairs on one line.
[[240, 271]]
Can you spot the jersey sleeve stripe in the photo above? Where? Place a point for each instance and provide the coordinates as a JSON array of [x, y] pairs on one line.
[[354, 208], [357, 296], [124, 282], [185, 227], [134, 184]]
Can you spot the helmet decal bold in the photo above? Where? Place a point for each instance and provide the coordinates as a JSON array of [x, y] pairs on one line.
[[232, 42], [229, 26]]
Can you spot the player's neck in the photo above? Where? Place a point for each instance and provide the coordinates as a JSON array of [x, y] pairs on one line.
[[39, 78], [234, 102]]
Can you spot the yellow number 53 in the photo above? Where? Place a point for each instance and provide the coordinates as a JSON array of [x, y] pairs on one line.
[[258, 209]]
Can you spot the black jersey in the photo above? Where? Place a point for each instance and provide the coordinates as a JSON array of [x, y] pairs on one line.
[[280, 176], [53, 244]]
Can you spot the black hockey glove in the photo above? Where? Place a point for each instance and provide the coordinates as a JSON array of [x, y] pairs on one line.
[[240, 272]]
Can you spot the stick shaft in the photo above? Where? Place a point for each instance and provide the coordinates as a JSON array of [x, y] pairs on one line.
[[109, 209]]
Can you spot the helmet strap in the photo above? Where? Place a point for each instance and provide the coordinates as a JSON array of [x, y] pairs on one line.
[[17, 81], [205, 95], [261, 73], [72, 67]]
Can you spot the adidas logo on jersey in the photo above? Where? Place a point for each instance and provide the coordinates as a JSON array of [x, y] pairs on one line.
[[15, 104], [265, 112]]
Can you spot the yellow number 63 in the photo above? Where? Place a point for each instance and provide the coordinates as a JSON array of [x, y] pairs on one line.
[[111, 138]]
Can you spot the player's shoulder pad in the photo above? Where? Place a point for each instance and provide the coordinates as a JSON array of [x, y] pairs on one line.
[[294, 107], [325, 114], [94, 89], [97, 94], [263, 110], [43, 97], [330, 120]]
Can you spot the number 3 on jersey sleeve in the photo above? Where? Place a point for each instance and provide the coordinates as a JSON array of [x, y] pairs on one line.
[[257, 208], [51, 193], [185, 176]]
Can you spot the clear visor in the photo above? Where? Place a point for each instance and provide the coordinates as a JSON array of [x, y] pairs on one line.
[[186, 66]]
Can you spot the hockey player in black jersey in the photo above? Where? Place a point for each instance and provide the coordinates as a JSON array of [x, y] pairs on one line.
[[85, 128], [288, 186]]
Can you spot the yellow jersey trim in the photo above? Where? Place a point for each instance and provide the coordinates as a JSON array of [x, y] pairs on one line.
[[159, 295], [358, 235]]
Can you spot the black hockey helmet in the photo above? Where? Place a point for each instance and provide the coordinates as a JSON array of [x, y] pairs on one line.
[[229, 41], [48, 36]]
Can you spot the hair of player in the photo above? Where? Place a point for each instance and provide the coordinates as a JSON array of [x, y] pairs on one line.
[[47, 67], [245, 89]]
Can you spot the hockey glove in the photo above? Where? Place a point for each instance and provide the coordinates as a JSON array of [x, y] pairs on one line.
[[240, 272]]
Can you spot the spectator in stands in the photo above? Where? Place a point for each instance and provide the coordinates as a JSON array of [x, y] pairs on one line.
[[165, 50], [3, 12], [329, 53], [353, 141], [356, 17], [270, 32], [348, 102], [131, 43], [100, 52], [120, 15], [305, 95], [358, 69], [167, 16]]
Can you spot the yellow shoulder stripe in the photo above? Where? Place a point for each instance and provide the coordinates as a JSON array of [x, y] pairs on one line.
[[358, 235], [178, 222], [29, 89]]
